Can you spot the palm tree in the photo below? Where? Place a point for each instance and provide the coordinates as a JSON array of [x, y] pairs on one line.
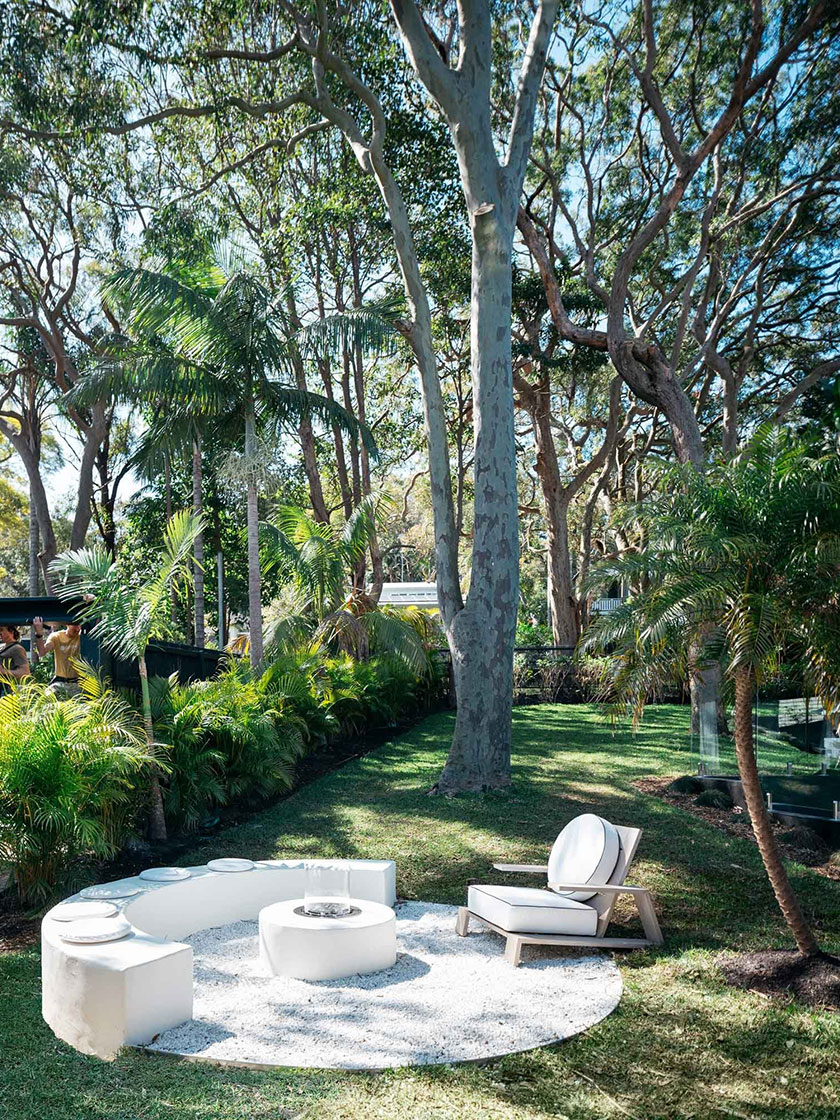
[[127, 618], [174, 434], [746, 562], [325, 604], [212, 345]]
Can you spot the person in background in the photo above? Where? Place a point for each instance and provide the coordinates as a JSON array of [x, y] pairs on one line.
[[14, 664], [66, 647]]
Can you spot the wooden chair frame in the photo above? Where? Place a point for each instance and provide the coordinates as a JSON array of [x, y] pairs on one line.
[[603, 901]]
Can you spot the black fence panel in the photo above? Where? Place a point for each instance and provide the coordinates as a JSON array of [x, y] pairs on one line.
[[541, 675], [162, 660]]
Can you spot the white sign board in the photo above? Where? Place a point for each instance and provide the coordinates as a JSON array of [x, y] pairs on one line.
[[409, 595]]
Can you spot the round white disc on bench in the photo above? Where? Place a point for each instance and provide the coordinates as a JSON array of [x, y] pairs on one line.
[[586, 851], [110, 890], [92, 931], [72, 911], [231, 863], [164, 874]]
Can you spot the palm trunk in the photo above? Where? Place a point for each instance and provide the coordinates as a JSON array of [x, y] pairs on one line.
[[157, 818], [748, 770], [254, 580], [198, 549], [167, 497]]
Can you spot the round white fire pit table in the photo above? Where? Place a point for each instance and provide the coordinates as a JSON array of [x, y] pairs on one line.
[[293, 943]]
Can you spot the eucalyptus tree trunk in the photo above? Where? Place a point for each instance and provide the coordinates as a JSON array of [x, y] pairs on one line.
[[34, 541], [157, 817], [481, 635], [39, 506], [93, 437], [305, 432], [535, 398], [480, 632], [651, 379], [759, 818], [253, 523], [198, 548]]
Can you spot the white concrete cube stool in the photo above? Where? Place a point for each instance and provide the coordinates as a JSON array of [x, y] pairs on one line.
[[100, 997], [292, 943]]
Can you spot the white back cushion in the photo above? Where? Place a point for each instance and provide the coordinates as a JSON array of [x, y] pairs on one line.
[[586, 851]]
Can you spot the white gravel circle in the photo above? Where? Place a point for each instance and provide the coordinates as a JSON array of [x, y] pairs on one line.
[[447, 999]]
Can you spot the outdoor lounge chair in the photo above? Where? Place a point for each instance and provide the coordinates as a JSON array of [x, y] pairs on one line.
[[585, 871]]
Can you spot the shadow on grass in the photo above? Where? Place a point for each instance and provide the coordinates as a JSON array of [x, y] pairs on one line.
[[681, 1044]]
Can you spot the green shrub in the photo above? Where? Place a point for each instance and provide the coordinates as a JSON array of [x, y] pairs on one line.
[[686, 784], [195, 780], [291, 687], [714, 799], [69, 783], [226, 738], [236, 736], [259, 742]]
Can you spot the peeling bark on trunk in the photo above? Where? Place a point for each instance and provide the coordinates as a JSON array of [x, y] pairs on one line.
[[748, 770], [481, 636]]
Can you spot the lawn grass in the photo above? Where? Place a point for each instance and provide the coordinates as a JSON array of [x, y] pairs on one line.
[[681, 1044]]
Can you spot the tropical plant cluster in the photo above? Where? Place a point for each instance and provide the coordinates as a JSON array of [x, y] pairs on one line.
[[74, 770]]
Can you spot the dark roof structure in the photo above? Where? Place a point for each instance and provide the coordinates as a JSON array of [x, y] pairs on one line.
[[21, 610]]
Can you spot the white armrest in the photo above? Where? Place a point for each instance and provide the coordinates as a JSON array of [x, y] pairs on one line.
[[533, 868], [607, 888]]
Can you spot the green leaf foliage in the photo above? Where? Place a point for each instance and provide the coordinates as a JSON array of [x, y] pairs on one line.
[[69, 769], [741, 564], [125, 617]]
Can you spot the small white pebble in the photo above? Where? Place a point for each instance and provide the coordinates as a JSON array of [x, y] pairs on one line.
[[447, 999]]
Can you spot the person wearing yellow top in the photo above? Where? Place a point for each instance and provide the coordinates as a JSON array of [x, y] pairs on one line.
[[66, 648]]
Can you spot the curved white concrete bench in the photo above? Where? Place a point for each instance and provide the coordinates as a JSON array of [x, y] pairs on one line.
[[99, 997]]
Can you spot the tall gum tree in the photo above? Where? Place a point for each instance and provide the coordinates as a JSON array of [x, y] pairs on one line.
[[480, 630], [631, 122]]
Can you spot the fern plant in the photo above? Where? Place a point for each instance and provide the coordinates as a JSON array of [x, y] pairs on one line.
[[70, 769]]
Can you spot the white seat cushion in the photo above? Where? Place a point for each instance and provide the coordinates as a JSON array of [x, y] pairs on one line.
[[586, 851], [532, 910]]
